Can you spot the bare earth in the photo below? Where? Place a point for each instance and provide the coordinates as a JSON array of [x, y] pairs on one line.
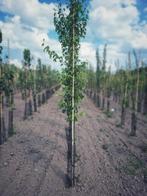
[[109, 162]]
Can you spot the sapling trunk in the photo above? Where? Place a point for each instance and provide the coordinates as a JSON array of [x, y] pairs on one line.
[[103, 102], [123, 113], [39, 100], [34, 102], [25, 109], [124, 100], [145, 101], [108, 104], [34, 91], [139, 107], [10, 123], [2, 121], [98, 100], [1, 113], [30, 112]]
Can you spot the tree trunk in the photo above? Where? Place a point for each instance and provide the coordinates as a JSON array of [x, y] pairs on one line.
[[133, 124], [1, 130], [10, 123], [10, 126], [25, 109], [39, 100], [108, 104], [123, 114], [139, 108], [98, 100], [69, 155], [94, 97], [2, 123], [35, 102], [30, 107], [145, 101], [103, 103]]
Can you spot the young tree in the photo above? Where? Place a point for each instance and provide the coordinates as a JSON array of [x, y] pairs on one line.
[[134, 94], [26, 66], [108, 88], [71, 27], [103, 76]]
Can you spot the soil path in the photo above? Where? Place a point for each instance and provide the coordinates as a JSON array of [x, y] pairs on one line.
[[33, 162]]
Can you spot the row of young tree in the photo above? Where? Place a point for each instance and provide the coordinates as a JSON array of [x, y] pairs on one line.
[[36, 85], [126, 86], [6, 90]]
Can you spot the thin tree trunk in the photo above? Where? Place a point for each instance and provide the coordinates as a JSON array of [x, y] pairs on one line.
[[30, 107], [2, 123], [98, 100], [108, 104], [135, 102], [123, 114], [133, 124], [145, 101], [69, 154], [10, 123], [139, 108], [39, 100], [34, 102], [25, 109], [1, 119], [103, 102]]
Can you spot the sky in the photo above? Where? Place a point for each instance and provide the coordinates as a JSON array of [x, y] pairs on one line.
[[121, 24]]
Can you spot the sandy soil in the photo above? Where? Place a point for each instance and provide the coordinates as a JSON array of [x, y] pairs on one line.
[[33, 162]]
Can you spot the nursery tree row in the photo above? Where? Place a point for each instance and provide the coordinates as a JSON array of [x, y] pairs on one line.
[[126, 86], [35, 83]]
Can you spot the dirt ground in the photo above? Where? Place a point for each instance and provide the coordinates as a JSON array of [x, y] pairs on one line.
[[109, 162]]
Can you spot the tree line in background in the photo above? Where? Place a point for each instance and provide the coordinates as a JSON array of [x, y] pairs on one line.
[[35, 83], [127, 86]]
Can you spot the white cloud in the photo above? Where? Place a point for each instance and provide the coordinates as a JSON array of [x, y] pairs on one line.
[[117, 23], [28, 27], [15, 62], [87, 52], [32, 12], [145, 9]]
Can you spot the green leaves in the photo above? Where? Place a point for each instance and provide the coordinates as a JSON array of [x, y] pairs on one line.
[[70, 24], [53, 55]]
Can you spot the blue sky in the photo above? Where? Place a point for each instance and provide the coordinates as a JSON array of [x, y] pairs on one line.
[[122, 24]]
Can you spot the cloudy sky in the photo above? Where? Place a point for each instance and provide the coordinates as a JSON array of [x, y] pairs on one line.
[[122, 24]]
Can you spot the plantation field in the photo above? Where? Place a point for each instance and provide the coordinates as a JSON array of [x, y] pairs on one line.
[[108, 163]]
